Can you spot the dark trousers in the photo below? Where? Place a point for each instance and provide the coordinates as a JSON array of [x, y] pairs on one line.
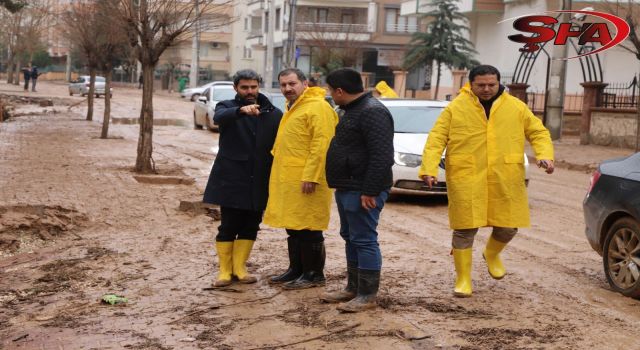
[[26, 85], [33, 84], [310, 236], [238, 224], [358, 228]]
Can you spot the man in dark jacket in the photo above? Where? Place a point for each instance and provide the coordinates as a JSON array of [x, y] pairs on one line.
[[359, 164], [239, 180], [34, 77], [26, 71]]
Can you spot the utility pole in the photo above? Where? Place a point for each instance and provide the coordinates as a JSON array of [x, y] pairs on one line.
[[195, 50], [67, 72], [271, 19], [290, 59], [557, 80]]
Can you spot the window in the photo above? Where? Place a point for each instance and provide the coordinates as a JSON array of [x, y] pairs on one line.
[[246, 53], [319, 15], [246, 23], [266, 21], [394, 23], [347, 17], [277, 19]]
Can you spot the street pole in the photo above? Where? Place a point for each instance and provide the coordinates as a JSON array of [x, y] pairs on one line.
[[292, 33], [268, 71], [557, 80], [195, 49]]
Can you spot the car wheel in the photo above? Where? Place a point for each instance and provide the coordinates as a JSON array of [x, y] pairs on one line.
[[196, 126], [70, 93], [194, 97], [212, 127], [622, 257]]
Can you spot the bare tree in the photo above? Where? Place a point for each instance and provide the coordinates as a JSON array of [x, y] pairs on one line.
[[81, 29], [335, 45], [23, 30], [153, 26]]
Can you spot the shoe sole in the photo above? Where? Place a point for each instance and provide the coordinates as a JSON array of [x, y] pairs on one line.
[[492, 276], [312, 285], [335, 301], [353, 311]]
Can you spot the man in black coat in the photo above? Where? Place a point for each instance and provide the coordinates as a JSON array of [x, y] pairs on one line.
[[358, 166], [239, 180], [34, 77]]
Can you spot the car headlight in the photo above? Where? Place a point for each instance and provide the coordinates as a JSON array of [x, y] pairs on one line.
[[407, 159]]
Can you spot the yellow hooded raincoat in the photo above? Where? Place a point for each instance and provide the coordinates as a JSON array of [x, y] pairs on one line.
[[385, 90], [485, 159], [300, 152]]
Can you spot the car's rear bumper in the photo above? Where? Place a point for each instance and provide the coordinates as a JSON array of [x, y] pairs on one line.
[[417, 187]]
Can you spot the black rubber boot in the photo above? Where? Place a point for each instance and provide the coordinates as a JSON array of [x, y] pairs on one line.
[[295, 263], [349, 292], [313, 258], [368, 283]]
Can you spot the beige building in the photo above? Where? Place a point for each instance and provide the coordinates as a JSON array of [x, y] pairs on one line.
[[318, 36]]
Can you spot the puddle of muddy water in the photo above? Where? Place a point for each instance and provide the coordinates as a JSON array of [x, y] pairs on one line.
[[156, 122]]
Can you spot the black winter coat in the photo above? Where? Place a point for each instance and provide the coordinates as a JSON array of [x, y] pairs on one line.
[[240, 174], [360, 156]]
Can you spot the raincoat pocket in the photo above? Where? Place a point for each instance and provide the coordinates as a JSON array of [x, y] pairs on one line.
[[292, 169], [514, 164], [459, 167]]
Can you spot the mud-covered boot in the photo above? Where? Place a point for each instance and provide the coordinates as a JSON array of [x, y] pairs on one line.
[[241, 251], [368, 284], [462, 259], [295, 263], [225, 253], [313, 258], [491, 255], [349, 292]]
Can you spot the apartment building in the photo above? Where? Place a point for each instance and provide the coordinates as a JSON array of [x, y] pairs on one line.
[[371, 36]]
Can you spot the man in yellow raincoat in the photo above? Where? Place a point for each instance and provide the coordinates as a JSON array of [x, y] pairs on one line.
[[385, 90], [299, 198], [483, 131]]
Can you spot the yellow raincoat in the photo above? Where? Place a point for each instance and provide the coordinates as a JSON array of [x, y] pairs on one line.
[[300, 152], [485, 159], [385, 90]]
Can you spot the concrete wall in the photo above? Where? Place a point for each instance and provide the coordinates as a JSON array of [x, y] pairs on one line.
[[613, 127]]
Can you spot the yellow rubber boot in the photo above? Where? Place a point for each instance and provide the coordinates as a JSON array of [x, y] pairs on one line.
[[241, 251], [492, 257], [462, 260], [225, 251]]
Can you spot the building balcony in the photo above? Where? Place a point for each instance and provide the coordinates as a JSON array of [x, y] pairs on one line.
[[331, 27], [256, 7], [413, 7]]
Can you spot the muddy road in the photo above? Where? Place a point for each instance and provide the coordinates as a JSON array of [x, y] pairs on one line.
[[75, 224]]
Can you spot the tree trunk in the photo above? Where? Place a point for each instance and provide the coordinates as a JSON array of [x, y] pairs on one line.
[[10, 69], [145, 145], [16, 77], [107, 104], [92, 89], [437, 80], [638, 125]]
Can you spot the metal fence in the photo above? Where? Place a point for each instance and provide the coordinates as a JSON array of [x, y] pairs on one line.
[[620, 95], [572, 102]]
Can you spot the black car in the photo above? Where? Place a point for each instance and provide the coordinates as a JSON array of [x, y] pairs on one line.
[[612, 218]]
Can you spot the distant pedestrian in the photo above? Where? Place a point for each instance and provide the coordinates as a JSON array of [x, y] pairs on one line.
[[27, 75], [140, 81], [483, 131], [34, 77]]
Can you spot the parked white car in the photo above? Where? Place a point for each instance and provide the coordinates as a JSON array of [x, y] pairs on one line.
[[205, 105], [80, 86], [194, 93], [413, 119]]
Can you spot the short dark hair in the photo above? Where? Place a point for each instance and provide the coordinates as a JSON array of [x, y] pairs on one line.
[[347, 79], [246, 74], [295, 71], [483, 69]]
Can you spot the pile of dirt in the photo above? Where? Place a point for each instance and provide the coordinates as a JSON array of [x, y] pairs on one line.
[[22, 223]]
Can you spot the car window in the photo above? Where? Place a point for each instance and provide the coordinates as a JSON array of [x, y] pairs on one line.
[[414, 119], [80, 80], [223, 94], [100, 80], [279, 101], [206, 93]]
